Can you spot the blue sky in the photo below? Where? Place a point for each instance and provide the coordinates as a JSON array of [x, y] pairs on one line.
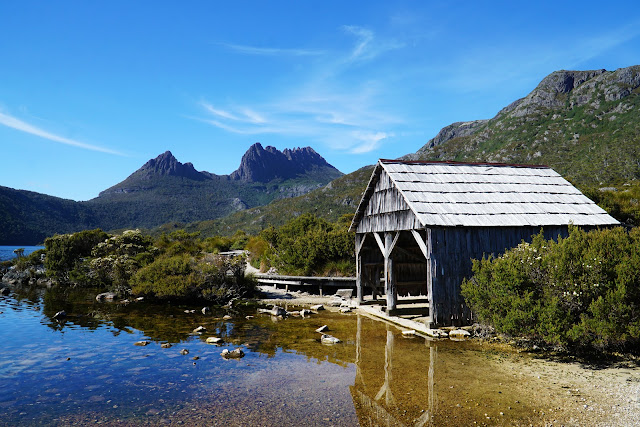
[[89, 91]]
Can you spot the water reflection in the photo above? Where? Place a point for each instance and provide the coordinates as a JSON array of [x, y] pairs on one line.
[[87, 364]]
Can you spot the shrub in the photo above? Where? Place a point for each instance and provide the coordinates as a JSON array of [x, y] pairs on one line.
[[581, 292]]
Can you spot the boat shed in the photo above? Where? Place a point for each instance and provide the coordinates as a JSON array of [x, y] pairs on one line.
[[420, 224]]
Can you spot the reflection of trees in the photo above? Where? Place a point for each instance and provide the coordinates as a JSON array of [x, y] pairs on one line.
[[394, 384]]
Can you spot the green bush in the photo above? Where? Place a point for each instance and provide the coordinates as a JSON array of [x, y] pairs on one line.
[[212, 278], [307, 245], [66, 253], [581, 292]]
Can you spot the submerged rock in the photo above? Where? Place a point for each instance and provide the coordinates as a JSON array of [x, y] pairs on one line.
[[329, 339], [106, 296], [275, 311], [233, 354], [459, 333]]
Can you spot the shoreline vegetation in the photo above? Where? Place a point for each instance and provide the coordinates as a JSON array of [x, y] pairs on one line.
[[577, 296]]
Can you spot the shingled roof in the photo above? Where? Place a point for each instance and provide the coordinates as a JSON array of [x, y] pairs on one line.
[[484, 195]]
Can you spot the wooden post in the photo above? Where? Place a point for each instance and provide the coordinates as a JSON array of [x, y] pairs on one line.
[[390, 240], [360, 238]]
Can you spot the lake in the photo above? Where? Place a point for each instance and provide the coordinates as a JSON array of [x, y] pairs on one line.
[[6, 252], [86, 369]]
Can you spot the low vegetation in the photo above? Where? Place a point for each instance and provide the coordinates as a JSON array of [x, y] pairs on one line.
[[580, 293], [176, 266]]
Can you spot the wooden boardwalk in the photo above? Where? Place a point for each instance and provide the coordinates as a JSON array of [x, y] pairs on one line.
[[319, 285]]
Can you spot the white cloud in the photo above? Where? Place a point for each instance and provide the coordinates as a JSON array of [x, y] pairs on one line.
[[18, 124], [370, 141]]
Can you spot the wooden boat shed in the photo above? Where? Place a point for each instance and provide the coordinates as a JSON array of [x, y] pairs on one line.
[[419, 225]]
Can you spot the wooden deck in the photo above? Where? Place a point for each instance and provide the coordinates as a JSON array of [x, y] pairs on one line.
[[318, 285]]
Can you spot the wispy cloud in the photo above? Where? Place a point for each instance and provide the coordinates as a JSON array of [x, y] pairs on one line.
[[345, 117], [367, 45], [22, 126], [271, 51]]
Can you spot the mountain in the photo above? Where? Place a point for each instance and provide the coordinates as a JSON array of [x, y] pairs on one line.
[[584, 124], [165, 190]]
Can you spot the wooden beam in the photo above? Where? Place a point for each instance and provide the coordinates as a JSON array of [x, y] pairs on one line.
[[421, 243], [381, 245], [359, 290]]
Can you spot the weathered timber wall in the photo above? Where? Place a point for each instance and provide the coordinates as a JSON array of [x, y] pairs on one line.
[[453, 248], [387, 210]]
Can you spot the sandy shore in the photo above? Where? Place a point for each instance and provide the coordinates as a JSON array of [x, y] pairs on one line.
[[575, 394]]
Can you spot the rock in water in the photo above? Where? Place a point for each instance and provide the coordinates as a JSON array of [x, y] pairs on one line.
[[60, 315], [459, 333], [233, 354], [165, 345], [184, 352], [328, 339], [214, 340], [106, 296], [141, 343]]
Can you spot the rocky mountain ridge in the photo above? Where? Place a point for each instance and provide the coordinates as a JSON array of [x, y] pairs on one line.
[[165, 190]]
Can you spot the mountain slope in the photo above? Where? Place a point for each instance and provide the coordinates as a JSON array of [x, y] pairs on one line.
[[584, 124]]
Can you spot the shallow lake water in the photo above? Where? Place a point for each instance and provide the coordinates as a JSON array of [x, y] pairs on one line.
[[86, 369]]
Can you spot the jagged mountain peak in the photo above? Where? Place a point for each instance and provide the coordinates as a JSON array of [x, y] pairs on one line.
[[166, 164], [266, 164]]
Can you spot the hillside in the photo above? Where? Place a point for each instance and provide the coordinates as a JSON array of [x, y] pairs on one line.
[[584, 124], [165, 190]]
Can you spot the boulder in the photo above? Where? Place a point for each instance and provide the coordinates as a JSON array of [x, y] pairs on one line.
[[233, 354], [214, 340]]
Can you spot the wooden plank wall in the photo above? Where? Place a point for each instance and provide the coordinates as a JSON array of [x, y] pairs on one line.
[[453, 248], [387, 210]]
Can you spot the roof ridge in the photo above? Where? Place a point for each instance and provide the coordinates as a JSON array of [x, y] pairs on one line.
[[455, 163]]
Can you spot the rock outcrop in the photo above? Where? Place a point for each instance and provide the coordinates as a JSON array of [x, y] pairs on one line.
[[266, 164]]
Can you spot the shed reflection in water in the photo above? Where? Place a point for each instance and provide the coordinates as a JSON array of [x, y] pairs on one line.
[[376, 376]]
